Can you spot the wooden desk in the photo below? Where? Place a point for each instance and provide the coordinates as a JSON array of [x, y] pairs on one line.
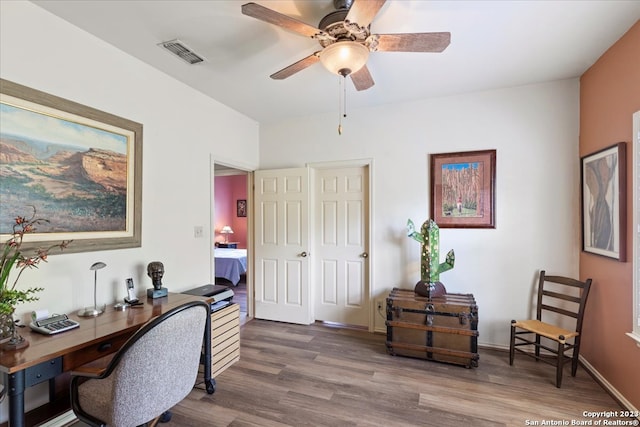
[[48, 356]]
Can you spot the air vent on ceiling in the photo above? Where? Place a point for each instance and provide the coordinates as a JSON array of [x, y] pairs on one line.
[[182, 51]]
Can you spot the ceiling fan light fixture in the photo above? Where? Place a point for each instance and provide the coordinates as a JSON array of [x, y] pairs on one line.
[[344, 57]]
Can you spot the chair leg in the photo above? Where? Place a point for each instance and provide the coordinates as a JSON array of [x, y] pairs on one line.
[[512, 348], [560, 365], [537, 351], [164, 418], [576, 353]]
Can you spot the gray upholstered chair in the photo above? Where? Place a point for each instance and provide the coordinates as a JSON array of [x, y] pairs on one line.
[[153, 371]]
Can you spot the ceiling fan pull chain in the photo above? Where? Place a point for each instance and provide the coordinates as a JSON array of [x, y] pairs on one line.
[[340, 113], [342, 101], [344, 96]]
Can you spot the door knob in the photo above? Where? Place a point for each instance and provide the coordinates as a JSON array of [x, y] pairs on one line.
[[303, 254], [364, 255]]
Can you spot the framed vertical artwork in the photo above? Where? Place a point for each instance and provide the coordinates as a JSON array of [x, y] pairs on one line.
[[604, 202], [241, 208], [463, 189], [77, 167]]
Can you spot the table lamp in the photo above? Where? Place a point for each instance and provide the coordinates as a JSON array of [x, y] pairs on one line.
[[226, 230], [95, 310]]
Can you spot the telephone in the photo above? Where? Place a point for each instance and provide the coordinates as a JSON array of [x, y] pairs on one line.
[[131, 292]]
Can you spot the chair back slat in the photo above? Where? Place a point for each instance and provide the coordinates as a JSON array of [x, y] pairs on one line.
[[561, 296], [568, 281], [560, 311]]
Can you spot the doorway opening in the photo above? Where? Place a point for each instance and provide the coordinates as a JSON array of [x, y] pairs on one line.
[[231, 235]]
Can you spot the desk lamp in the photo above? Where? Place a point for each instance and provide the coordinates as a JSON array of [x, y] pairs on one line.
[[95, 310], [226, 230]]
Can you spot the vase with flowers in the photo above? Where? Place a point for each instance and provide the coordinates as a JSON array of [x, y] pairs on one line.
[[14, 259]]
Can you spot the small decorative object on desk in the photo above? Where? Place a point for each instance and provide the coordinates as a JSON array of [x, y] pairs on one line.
[[430, 266], [10, 296], [155, 270]]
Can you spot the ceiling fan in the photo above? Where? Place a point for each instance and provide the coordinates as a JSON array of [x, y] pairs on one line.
[[346, 39]]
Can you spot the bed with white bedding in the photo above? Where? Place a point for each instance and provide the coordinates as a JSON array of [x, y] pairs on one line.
[[230, 263]]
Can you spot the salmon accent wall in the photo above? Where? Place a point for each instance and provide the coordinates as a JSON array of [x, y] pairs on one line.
[[609, 95], [227, 191]]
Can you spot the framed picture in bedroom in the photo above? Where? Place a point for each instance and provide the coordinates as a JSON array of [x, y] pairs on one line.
[[75, 166], [241, 208]]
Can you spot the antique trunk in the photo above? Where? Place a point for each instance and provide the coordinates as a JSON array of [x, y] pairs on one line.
[[444, 329]]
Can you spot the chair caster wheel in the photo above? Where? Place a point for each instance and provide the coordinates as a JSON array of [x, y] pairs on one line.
[[165, 417]]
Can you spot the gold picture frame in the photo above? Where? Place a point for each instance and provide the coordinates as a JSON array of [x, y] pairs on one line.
[[79, 168]]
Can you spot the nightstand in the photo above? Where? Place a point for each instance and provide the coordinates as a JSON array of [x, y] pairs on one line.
[[229, 245]]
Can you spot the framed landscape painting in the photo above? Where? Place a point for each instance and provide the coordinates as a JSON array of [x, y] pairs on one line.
[[463, 189], [604, 202], [77, 167]]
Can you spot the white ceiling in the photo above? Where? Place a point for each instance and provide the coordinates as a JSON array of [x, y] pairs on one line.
[[493, 44]]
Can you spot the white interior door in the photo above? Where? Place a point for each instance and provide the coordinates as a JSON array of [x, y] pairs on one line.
[[281, 246], [341, 211]]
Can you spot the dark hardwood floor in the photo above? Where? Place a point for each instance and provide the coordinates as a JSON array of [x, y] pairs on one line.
[[240, 294], [292, 375]]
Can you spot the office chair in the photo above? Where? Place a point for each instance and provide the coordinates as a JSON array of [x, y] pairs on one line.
[[567, 298], [153, 371]]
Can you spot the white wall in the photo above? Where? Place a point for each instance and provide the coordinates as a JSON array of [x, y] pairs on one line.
[[182, 129], [535, 132]]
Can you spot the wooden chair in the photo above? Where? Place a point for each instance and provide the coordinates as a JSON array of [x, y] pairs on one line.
[[154, 370], [559, 298]]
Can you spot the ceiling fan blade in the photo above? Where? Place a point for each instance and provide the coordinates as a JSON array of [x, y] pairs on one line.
[[413, 42], [296, 66], [271, 16], [362, 79], [362, 12]]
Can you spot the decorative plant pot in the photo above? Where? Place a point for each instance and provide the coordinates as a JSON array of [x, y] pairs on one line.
[[6, 327], [430, 290], [10, 338]]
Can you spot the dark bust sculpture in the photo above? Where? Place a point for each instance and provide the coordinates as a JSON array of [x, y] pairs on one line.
[[155, 270]]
